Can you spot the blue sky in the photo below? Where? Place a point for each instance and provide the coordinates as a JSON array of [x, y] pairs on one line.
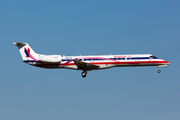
[[96, 27]]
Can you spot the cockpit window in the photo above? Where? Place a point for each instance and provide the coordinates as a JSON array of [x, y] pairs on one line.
[[153, 57]]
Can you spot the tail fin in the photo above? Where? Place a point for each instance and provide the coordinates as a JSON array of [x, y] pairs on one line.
[[26, 51]]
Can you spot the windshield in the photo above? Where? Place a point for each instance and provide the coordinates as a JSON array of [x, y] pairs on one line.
[[153, 57]]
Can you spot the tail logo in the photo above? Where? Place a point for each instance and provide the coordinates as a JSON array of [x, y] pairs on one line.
[[27, 51]]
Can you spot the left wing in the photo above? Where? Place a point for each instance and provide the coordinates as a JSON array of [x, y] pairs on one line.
[[84, 65]]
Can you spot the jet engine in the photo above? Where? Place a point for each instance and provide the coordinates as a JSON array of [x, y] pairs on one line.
[[51, 58]]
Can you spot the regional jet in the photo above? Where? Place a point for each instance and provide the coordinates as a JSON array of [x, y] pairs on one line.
[[87, 63]]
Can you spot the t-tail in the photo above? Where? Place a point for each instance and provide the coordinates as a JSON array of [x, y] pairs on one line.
[[26, 51], [30, 57]]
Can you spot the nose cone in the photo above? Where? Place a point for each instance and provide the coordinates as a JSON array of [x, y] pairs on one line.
[[166, 62]]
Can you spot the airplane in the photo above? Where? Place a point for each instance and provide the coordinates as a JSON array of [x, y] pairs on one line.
[[87, 63]]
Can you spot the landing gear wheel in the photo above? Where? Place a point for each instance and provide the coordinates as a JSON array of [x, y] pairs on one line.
[[83, 74], [159, 71]]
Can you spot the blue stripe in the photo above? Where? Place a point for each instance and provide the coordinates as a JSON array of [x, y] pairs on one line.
[[30, 61], [26, 52], [132, 58]]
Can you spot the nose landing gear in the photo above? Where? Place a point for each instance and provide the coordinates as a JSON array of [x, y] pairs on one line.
[[159, 69]]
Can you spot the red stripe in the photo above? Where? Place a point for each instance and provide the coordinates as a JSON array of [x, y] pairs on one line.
[[109, 63], [120, 63]]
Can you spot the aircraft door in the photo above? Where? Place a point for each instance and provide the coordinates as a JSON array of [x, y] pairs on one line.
[[137, 60]]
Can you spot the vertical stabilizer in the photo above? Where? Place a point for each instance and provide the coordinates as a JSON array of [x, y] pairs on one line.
[[26, 51]]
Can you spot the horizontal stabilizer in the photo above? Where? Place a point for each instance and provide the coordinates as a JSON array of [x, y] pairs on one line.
[[19, 45]]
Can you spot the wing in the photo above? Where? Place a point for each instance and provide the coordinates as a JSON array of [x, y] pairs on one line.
[[82, 65]]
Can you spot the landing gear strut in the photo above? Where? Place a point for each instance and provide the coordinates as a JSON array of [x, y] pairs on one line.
[[159, 70]]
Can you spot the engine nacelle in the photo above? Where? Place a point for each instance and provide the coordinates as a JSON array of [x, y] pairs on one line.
[[51, 58]]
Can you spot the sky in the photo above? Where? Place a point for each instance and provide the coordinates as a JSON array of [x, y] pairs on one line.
[[94, 27]]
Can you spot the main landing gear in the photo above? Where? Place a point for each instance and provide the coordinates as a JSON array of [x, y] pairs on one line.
[[84, 74]]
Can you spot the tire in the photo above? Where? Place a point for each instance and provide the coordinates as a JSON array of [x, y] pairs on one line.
[[159, 71], [83, 74]]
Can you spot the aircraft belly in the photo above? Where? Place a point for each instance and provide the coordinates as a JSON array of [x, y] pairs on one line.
[[69, 67], [106, 66]]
